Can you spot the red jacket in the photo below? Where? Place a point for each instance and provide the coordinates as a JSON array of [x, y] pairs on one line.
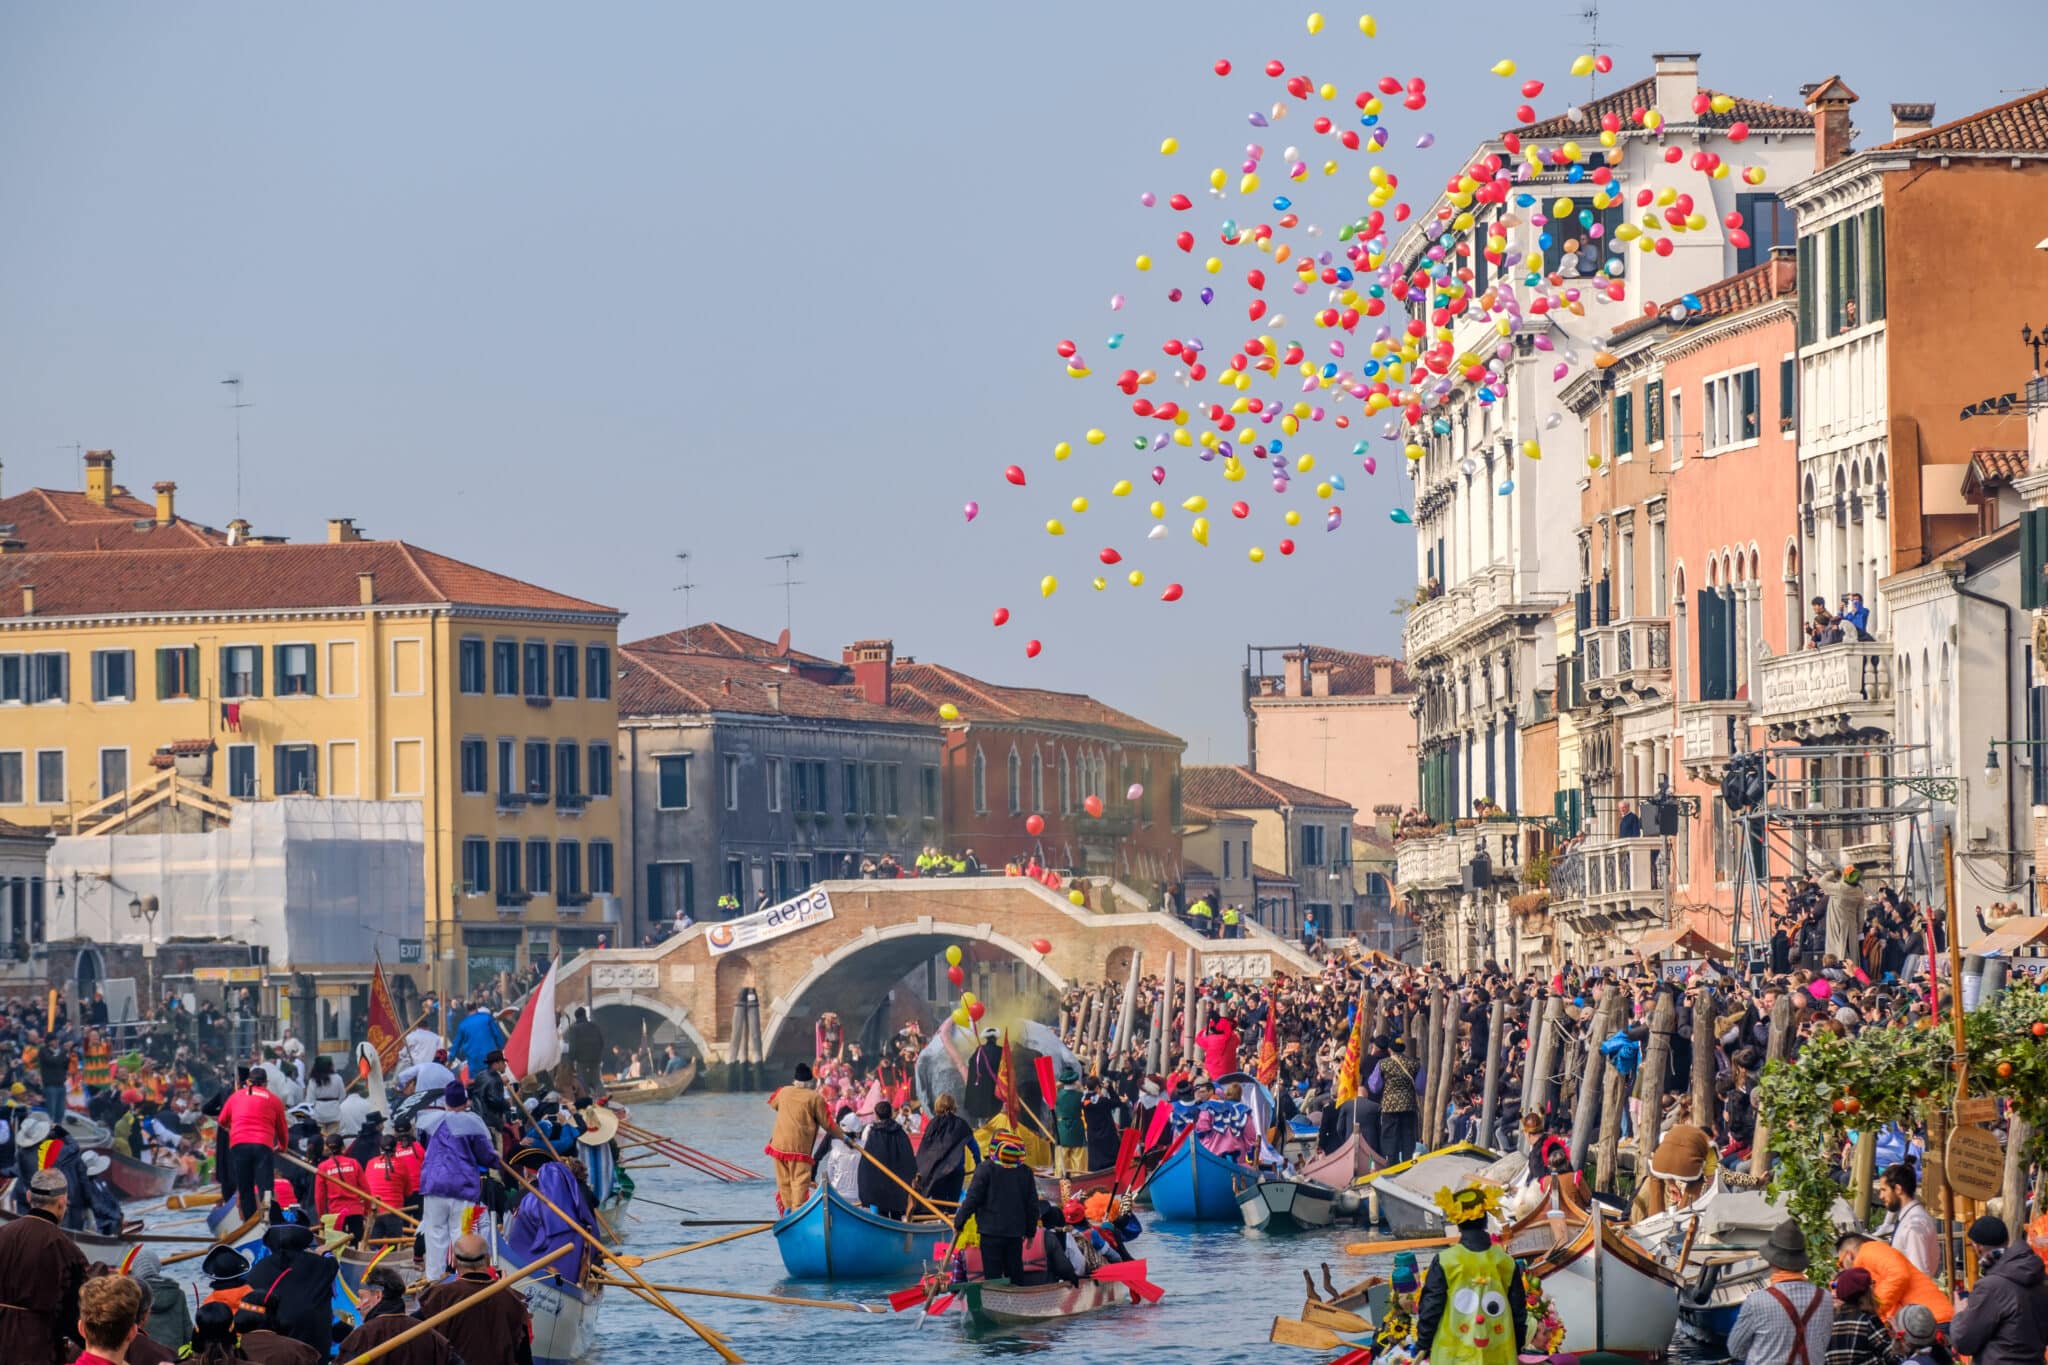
[[328, 1197], [391, 1179], [253, 1115], [413, 1156]]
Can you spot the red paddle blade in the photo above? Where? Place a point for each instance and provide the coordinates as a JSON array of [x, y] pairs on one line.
[[906, 1298], [940, 1305], [1126, 1148], [1361, 1356], [1132, 1275]]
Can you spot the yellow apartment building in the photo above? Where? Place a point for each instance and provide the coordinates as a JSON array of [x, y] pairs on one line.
[[133, 641]]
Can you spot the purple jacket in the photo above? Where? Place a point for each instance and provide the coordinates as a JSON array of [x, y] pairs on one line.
[[459, 1150]]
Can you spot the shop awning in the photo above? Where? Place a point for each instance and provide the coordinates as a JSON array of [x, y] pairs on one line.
[[2010, 937], [1679, 941]]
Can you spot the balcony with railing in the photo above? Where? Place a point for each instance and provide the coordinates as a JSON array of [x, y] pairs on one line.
[[1835, 692], [1712, 733], [1628, 661], [1431, 624], [1443, 860]]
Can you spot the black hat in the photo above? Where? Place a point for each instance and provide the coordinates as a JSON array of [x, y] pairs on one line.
[[524, 1157], [1989, 1232], [1786, 1248], [224, 1263]]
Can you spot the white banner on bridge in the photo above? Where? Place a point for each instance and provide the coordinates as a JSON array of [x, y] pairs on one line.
[[799, 912]]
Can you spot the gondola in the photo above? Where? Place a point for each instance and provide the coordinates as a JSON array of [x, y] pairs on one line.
[[1406, 1194], [828, 1237], [1274, 1203], [653, 1089], [1194, 1185], [140, 1179], [1609, 1294], [564, 1316], [998, 1303]]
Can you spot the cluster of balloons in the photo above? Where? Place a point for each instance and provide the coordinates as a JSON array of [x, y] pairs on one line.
[[1379, 344], [969, 1011]]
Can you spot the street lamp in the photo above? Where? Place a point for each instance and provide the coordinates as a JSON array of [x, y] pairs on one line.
[[1991, 766], [145, 909]]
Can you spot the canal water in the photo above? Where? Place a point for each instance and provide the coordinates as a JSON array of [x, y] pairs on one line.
[[1223, 1283]]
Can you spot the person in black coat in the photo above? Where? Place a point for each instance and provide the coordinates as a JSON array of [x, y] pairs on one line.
[[1098, 1124], [295, 1285], [942, 1153], [2004, 1318], [1002, 1198], [888, 1145], [984, 1068]]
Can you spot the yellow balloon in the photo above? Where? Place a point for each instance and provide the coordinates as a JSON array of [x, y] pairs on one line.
[[1201, 531], [1196, 503], [1582, 65], [963, 1018], [1367, 26], [1144, 263], [1305, 464], [953, 956], [1315, 23], [1079, 504], [1062, 450], [1293, 518], [1048, 585], [1592, 462], [1504, 67], [1722, 103], [1169, 146], [1257, 555], [1327, 90], [1217, 178], [1122, 489], [1136, 578], [1053, 528], [1077, 898], [1095, 436], [948, 711], [967, 997], [1101, 583], [1415, 452], [1248, 183], [1531, 450], [1157, 509], [1212, 265], [1324, 490]]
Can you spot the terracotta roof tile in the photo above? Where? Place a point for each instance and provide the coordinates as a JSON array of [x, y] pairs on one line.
[[1993, 467], [1267, 874], [54, 519], [1643, 95], [1352, 674], [665, 683], [261, 578], [920, 689], [724, 641], [2019, 125], [1760, 284], [1236, 787]]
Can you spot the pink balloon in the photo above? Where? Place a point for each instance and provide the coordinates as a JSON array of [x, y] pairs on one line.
[[973, 510], [1159, 473]]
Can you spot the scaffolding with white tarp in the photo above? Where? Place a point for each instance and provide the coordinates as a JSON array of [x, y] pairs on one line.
[[316, 882]]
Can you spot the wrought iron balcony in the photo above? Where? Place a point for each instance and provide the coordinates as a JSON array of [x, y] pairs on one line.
[[1836, 692], [1628, 661]]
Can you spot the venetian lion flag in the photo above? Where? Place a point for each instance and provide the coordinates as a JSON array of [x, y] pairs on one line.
[[1269, 1052], [536, 1043], [1349, 1079], [385, 1034]]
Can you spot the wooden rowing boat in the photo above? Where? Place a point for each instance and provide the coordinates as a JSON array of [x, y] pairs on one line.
[[1194, 1185], [1406, 1194], [1275, 1203], [140, 1179], [1338, 1168], [828, 1237], [110, 1251], [998, 1303], [564, 1316], [1609, 1293], [1081, 1183], [654, 1089]]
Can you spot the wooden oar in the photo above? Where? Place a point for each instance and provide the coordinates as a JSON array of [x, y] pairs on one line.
[[1393, 1244], [196, 1199], [228, 1240], [341, 1184], [707, 1242], [1295, 1332], [734, 1171], [1320, 1314], [900, 1183], [626, 1263], [385, 1348], [838, 1305]]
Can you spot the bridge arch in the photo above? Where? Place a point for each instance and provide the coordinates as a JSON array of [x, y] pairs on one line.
[[649, 1004], [887, 954]]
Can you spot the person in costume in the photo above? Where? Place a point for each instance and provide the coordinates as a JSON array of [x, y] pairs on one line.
[[1394, 1338], [1473, 1308]]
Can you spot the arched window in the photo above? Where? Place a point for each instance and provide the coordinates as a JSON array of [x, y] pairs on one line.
[[1015, 788], [1037, 782], [1681, 643], [980, 781], [1066, 784]]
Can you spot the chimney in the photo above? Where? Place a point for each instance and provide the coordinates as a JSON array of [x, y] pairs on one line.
[[366, 588], [1319, 678], [872, 662], [1383, 677], [1784, 276], [238, 531], [1908, 119], [774, 691], [1678, 80], [1294, 670], [1829, 103], [342, 531], [99, 476], [166, 503], [28, 599]]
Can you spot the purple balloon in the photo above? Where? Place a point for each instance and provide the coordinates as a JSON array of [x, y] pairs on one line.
[[1208, 294]]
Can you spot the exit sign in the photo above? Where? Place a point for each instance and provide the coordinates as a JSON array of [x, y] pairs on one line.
[[412, 950]]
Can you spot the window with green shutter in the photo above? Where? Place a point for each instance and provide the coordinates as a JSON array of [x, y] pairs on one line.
[[1805, 280], [295, 671], [177, 673], [2034, 559], [1873, 236]]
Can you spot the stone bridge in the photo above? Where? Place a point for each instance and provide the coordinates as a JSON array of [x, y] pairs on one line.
[[880, 933]]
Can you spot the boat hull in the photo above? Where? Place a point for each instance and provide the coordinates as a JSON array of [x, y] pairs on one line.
[[654, 1089], [1339, 1168], [1405, 1195], [1282, 1204], [1195, 1185], [1081, 1183], [1609, 1294], [828, 1238], [98, 1250], [564, 1320], [998, 1303], [140, 1179]]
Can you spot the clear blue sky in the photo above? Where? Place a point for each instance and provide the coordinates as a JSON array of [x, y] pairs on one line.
[[564, 290]]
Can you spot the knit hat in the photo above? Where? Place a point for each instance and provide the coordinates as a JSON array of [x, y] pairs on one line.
[[1404, 1276], [1851, 1282], [1917, 1325], [1008, 1151], [1989, 1232], [141, 1262], [454, 1095]]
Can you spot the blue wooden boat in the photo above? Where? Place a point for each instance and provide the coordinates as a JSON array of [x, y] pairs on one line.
[[1194, 1185], [830, 1238]]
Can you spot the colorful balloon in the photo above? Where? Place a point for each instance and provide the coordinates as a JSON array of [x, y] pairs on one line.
[[1092, 804], [1002, 616], [948, 711], [1034, 825], [973, 510], [1039, 945], [957, 976], [1014, 475], [953, 955]]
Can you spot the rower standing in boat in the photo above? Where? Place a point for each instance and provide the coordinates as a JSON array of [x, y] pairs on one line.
[[497, 1329], [393, 1182], [41, 1271], [1473, 1298], [942, 1153], [1002, 1198], [800, 1115], [384, 1317], [1098, 1124]]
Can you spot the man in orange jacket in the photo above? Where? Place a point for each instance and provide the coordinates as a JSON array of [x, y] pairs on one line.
[[1895, 1280]]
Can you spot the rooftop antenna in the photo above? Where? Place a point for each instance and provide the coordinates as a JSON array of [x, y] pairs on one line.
[[683, 558], [1590, 16], [789, 560], [234, 381]]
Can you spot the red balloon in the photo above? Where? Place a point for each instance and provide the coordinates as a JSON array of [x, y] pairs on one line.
[[1066, 348], [1286, 547], [1172, 593], [976, 1010], [1738, 131], [1181, 203], [1603, 63], [1002, 617], [1031, 649], [1039, 945], [1034, 825], [1093, 805], [1223, 67], [1240, 510], [1531, 89], [1109, 556], [956, 976], [1276, 67], [1014, 475]]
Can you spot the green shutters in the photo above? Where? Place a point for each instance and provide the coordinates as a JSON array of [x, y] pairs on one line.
[[2034, 559], [1873, 236], [1714, 661], [1806, 285]]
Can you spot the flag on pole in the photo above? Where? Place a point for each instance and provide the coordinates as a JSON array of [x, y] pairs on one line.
[[384, 1031], [535, 1044], [1006, 1084], [1269, 1052], [1349, 1081]]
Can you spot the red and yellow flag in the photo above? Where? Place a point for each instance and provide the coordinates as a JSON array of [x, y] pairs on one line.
[[1269, 1052], [1349, 1081], [1006, 1083], [384, 1029]]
